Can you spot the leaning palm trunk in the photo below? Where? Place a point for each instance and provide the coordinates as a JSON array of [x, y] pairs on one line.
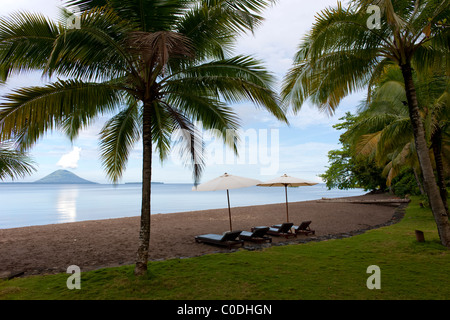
[[431, 188], [418, 181], [436, 144]]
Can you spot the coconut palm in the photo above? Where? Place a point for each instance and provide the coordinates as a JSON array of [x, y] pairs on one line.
[[344, 53], [159, 66]]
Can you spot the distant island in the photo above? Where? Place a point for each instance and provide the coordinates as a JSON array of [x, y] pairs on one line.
[[153, 182], [63, 177]]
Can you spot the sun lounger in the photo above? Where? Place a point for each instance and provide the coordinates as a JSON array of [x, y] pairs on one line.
[[228, 239], [280, 230], [257, 235], [303, 228]]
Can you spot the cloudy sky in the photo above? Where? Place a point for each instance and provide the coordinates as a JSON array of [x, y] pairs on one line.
[[271, 148]]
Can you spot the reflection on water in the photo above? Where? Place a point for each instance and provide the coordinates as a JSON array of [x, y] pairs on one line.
[[66, 205]]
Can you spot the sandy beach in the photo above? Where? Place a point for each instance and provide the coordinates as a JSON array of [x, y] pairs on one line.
[[106, 243]]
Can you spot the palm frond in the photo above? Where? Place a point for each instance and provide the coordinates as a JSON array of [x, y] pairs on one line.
[[27, 113], [235, 80], [188, 141], [204, 26], [96, 51], [212, 114], [149, 15], [368, 123], [394, 136], [328, 78], [26, 42], [86, 4], [13, 163], [368, 143], [117, 139], [399, 160]]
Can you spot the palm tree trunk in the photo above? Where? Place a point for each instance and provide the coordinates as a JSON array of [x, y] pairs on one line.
[[144, 234], [430, 186], [418, 181], [436, 143]]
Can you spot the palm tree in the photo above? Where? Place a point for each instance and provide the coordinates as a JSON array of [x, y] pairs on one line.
[[159, 65], [384, 128], [343, 53], [13, 163]]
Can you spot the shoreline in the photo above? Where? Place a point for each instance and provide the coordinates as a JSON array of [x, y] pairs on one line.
[[113, 242]]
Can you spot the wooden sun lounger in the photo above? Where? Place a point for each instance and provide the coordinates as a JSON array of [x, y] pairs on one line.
[[257, 235], [228, 239], [303, 228], [280, 230]]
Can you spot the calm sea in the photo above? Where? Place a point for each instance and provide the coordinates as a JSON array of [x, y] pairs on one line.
[[39, 204]]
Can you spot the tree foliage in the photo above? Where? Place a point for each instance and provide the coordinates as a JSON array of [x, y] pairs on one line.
[[348, 170]]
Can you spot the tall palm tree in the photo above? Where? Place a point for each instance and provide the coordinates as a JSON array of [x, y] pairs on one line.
[[13, 163], [159, 65], [343, 53]]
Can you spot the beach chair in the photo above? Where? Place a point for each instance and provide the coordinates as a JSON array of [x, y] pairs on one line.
[[304, 228], [257, 235], [280, 230], [227, 239]]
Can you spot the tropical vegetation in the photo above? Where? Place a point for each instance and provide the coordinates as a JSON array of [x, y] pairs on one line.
[[378, 145], [347, 170], [157, 66], [344, 53]]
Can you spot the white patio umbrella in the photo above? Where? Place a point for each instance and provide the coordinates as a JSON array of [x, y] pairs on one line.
[[226, 182], [286, 181]]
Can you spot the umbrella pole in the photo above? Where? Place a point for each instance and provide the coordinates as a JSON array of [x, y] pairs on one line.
[[229, 210], [287, 209]]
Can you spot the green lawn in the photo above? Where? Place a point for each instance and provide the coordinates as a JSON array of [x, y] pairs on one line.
[[334, 269]]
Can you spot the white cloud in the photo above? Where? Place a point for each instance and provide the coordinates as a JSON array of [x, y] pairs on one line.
[[70, 160]]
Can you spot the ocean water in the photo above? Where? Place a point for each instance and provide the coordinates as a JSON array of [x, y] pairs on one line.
[[39, 204]]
